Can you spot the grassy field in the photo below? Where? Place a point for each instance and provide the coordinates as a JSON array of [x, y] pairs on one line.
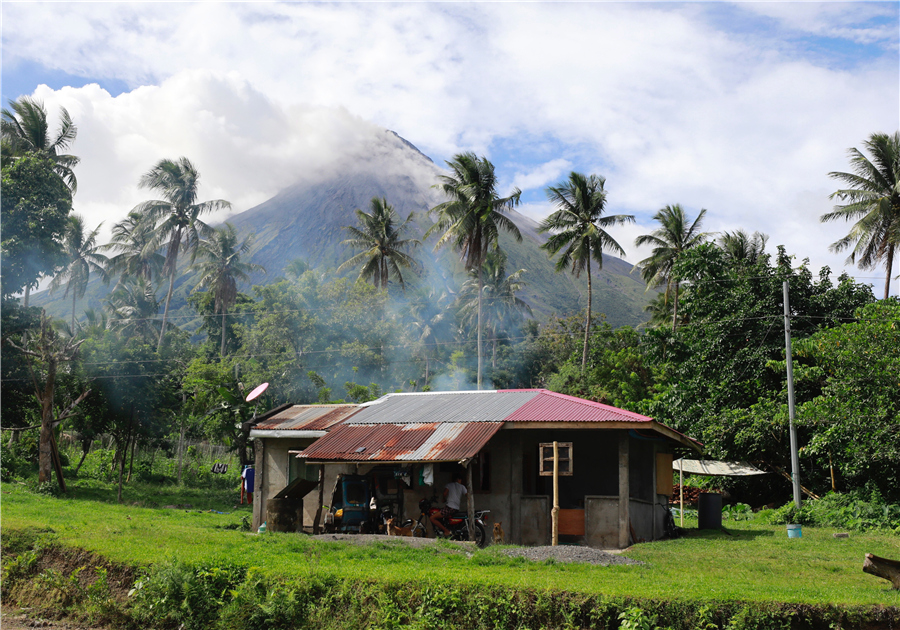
[[752, 562]]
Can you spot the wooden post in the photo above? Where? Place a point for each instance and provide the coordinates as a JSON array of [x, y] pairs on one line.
[[554, 513], [318, 520], [470, 500], [681, 487]]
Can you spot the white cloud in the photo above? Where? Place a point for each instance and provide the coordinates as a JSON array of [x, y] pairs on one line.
[[860, 22], [542, 175], [668, 105]]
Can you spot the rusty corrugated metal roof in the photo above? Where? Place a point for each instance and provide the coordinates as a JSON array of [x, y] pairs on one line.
[[307, 418], [547, 406], [412, 442]]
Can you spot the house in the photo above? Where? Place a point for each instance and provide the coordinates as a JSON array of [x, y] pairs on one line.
[[278, 436], [615, 466]]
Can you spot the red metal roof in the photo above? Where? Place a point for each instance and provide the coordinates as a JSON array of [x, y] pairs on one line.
[[307, 418], [549, 406]]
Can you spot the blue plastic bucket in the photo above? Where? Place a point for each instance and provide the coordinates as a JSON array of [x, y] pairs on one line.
[[794, 531]]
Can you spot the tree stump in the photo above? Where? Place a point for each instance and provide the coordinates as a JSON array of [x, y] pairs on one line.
[[883, 568]]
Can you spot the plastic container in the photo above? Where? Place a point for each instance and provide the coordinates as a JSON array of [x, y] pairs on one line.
[[794, 531], [262, 529]]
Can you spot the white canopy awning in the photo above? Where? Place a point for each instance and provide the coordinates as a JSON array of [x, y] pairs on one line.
[[714, 468]]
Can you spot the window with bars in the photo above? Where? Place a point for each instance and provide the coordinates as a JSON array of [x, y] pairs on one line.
[[545, 458]]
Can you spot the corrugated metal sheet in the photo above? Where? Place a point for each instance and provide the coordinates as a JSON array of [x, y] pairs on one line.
[[307, 418], [547, 406], [483, 406], [414, 442]]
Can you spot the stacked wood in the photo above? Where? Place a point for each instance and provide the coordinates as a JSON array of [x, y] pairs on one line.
[[691, 496]]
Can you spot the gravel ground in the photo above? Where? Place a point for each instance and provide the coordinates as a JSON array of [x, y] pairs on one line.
[[569, 553], [562, 553]]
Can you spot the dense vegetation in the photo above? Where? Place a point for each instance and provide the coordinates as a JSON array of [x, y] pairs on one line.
[[710, 362]]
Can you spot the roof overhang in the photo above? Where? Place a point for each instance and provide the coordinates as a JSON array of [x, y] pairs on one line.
[[651, 425], [275, 433]]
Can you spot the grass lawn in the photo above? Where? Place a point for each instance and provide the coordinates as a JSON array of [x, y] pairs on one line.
[[751, 562]]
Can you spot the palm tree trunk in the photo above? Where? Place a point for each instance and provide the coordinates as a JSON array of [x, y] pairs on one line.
[[28, 292], [162, 329], [73, 310], [494, 349], [480, 289], [222, 349], [587, 323], [675, 309], [889, 265]]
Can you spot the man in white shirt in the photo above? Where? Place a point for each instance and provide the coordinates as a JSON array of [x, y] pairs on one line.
[[453, 494]]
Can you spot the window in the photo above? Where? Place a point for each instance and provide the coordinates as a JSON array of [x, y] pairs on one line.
[[545, 457]]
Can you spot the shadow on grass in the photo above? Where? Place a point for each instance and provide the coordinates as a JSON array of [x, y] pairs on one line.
[[726, 534]]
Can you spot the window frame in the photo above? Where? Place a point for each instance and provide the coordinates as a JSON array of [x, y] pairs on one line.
[[545, 464]]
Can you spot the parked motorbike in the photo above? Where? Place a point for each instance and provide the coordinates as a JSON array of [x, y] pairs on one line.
[[457, 523]]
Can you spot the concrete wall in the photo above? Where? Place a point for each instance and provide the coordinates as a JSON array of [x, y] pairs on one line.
[[272, 464], [601, 521]]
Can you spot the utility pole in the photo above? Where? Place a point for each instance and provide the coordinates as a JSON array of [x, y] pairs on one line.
[[795, 461]]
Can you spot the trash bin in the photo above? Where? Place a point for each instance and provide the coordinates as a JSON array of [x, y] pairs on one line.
[[709, 511], [284, 515]]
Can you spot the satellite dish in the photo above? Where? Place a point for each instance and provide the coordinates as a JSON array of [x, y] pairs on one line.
[[257, 392]]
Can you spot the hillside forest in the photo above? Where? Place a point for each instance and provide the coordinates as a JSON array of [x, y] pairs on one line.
[[709, 361]]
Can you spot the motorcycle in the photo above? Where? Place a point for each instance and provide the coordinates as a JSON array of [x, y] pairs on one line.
[[457, 523]]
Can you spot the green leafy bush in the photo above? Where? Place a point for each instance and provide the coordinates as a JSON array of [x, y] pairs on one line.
[[17, 458], [179, 595], [855, 511]]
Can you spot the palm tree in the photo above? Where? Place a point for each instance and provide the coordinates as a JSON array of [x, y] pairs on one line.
[[502, 307], [741, 248], [222, 268], [579, 229], [132, 307], [25, 130], [872, 199], [472, 217], [669, 241], [296, 268], [84, 258], [378, 235], [134, 239], [176, 216], [427, 322]]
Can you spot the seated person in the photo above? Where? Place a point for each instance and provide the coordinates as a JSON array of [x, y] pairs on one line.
[[453, 494]]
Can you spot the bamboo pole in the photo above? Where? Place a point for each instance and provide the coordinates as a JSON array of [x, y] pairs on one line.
[[554, 513]]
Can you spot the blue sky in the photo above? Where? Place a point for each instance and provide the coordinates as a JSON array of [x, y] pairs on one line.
[[739, 108]]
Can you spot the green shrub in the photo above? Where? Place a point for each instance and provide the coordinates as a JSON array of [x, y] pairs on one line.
[[17, 459], [178, 595], [855, 511], [737, 512]]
